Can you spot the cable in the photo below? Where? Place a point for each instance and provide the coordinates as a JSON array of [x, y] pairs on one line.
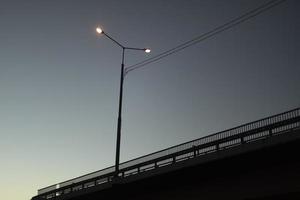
[[208, 34], [234, 22]]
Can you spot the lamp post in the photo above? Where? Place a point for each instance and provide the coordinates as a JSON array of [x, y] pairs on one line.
[[100, 31]]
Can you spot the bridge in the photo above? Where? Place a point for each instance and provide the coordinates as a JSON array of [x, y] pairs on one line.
[[259, 159]]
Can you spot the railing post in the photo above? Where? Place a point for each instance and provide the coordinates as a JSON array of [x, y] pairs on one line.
[[270, 133], [194, 151], [242, 140]]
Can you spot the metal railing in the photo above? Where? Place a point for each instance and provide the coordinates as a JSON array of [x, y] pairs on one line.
[[260, 129]]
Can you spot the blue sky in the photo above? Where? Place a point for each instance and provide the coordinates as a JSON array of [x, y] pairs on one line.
[[59, 80]]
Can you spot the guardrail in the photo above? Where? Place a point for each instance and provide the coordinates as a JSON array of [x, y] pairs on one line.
[[260, 129]]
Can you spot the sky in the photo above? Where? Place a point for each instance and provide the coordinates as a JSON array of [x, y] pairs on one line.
[[59, 80]]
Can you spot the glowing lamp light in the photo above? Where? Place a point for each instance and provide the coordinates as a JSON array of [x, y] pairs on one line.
[[99, 30], [147, 50]]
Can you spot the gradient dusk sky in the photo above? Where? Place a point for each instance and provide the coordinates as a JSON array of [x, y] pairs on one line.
[[59, 80]]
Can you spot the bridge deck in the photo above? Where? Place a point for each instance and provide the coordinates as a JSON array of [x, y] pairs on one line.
[[258, 134]]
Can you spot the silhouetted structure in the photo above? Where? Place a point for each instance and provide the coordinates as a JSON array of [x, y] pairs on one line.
[[257, 160]]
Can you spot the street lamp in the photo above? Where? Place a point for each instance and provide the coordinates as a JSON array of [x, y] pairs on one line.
[[100, 31]]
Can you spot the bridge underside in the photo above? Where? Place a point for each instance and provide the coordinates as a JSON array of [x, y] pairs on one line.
[[259, 171]]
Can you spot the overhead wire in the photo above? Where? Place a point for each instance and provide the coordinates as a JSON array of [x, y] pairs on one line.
[[230, 24]]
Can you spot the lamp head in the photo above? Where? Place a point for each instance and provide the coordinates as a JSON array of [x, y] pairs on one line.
[[147, 50], [99, 30]]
